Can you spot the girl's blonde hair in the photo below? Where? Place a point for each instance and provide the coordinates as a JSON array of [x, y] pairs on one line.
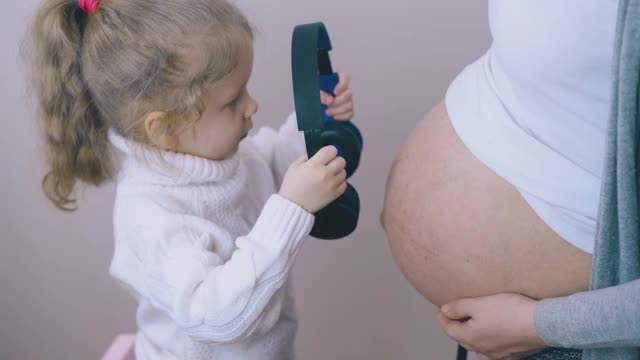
[[112, 68]]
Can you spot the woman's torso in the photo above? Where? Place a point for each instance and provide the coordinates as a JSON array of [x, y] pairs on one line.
[[521, 139]]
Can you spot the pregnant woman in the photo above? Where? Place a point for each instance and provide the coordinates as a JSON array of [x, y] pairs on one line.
[[497, 189]]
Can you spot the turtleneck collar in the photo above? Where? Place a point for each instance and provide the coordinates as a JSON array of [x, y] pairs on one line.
[[171, 168]]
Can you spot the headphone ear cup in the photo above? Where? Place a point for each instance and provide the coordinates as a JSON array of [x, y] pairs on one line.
[[347, 138], [338, 219], [355, 131]]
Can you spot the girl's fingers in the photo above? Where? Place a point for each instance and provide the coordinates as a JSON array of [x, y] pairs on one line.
[[343, 98], [325, 155], [345, 116], [343, 83], [336, 165], [340, 110], [326, 98]]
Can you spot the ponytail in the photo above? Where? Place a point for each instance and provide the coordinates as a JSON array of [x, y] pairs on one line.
[[75, 135]]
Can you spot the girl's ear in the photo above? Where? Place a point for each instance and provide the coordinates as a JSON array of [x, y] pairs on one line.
[[159, 130]]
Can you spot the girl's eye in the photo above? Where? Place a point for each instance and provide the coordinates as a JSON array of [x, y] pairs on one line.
[[234, 102]]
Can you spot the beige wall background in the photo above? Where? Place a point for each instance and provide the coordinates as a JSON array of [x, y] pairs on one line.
[[57, 300]]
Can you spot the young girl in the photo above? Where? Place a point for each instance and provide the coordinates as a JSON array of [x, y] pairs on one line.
[[203, 238]]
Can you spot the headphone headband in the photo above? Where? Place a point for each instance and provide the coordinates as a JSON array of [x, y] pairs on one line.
[[309, 60]]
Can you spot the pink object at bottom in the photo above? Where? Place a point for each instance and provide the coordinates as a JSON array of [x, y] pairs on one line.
[[122, 348]]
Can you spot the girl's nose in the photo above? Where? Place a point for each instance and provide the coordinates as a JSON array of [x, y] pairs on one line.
[[252, 109]]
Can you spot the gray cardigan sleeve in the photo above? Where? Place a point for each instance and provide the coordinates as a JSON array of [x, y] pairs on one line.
[[608, 317], [606, 320]]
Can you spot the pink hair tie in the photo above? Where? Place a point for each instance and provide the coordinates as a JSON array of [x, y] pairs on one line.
[[89, 6]]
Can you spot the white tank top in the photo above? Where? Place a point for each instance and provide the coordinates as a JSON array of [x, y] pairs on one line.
[[535, 107]]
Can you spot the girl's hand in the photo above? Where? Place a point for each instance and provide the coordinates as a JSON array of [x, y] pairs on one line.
[[316, 182], [340, 107], [499, 327]]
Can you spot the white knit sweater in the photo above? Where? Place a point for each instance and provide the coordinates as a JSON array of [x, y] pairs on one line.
[[206, 248]]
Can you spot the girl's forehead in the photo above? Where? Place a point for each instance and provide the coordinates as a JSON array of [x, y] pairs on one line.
[[242, 71], [237, 78]]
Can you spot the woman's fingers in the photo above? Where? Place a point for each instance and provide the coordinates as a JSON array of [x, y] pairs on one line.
[[459, 309]]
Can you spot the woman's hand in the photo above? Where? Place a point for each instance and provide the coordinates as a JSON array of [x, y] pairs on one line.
[[497, 327], [340, 107]]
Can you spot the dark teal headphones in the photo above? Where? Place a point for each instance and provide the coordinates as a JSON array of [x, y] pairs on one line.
[[312, 72], [311, 68]]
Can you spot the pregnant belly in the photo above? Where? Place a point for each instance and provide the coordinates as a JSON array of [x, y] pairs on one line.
[[456, 229]]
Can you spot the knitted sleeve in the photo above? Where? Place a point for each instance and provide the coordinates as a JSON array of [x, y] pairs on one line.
[[170, 260], [280, 148]]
